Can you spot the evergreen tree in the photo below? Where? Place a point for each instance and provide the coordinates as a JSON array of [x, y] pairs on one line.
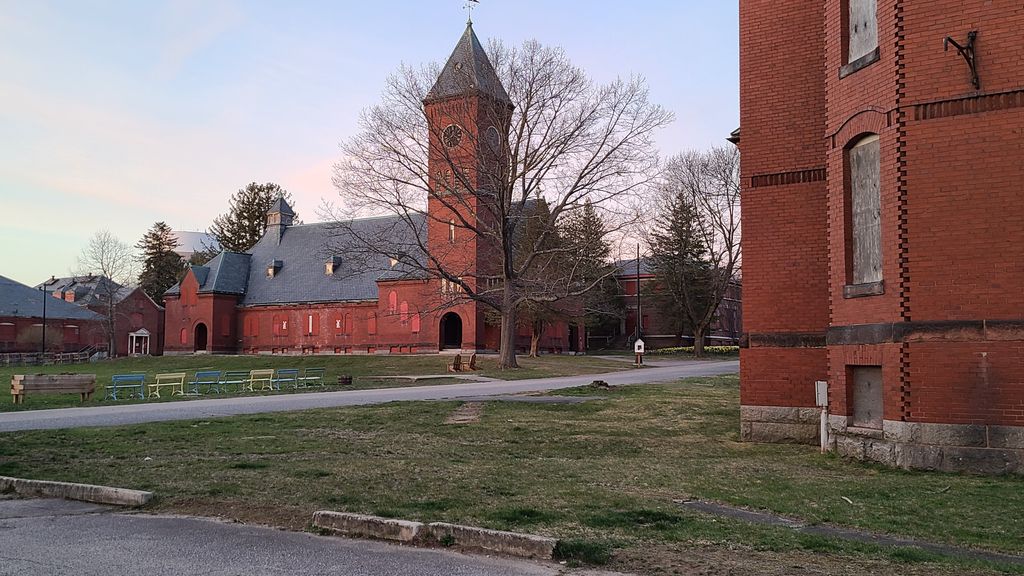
[[682, 269], [246, 219], [588, 250], [160, 264]]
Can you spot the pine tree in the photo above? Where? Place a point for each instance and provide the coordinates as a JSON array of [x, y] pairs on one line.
[[246, 219], [585, 236], [682, 269], [161, 265]]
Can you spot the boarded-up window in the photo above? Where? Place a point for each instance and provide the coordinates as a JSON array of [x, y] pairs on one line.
[[371, 324], [313, 324], [348, 323], [184, 336], [867, 396], [392, 301], [863, 30], [403, 312], [7, 331], [865, 211], [415, 324], [71, 334]]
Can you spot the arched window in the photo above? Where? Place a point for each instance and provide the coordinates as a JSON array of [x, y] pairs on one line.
[[392, 301], [864, 214], [415, 324], [403, 312], [184, 336], [451, 231], [371, 323]]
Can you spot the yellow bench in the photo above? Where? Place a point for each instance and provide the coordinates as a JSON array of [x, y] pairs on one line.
[[265, 378], [173, 380]]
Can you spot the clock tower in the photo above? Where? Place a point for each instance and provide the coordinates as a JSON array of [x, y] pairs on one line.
[[468, 113]]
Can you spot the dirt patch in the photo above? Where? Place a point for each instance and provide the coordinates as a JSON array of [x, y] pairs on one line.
[[718, 560], [467, 413]]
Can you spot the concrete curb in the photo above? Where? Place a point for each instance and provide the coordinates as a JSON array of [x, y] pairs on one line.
[[71, 491], [367, 526], [509, 543]]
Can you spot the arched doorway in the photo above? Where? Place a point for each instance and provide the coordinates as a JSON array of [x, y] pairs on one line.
[[451, 331], [200, 339]]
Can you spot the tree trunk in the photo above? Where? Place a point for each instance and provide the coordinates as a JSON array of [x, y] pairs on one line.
[[538, 329], [507, 350], [698, 340]]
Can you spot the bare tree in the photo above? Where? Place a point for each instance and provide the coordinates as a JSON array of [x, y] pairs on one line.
[[705, 186], [554, 134], [114, 262]]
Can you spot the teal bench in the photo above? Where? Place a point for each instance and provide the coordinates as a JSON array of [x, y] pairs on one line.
[[286, 376], [208, 378], [312, 377], [132, 384]]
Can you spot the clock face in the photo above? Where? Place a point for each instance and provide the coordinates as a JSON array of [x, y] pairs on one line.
[[493, 138], [452, 136]]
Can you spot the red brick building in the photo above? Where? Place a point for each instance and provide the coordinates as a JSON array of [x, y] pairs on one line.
[[308, 288], [69, 328], [138, 321], [660, 328], [883, 227]]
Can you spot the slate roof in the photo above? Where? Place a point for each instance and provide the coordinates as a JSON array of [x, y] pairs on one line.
[[281, 206], [628, 267], [227, 273], [21, 301], [468, 69], [304, 250], [88, 290]]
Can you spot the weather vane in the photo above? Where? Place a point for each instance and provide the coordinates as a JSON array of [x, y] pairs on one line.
[[470, 4]]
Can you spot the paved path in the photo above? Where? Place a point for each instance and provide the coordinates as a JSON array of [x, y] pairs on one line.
[[57, 537], [219, 407]]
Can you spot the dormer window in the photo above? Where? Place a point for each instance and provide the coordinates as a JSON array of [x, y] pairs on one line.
[[333, 265], [273, 268]]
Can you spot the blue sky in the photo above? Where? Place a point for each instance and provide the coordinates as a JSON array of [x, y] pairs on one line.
[[117, 114]]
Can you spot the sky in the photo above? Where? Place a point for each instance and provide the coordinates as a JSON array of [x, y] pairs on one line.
[[117, 114]]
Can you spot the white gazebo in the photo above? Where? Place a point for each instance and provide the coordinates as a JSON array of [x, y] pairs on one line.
[[138, 342]]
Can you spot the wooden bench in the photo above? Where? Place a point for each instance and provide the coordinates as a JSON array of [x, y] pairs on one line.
[[134, 384], [263, 377], [81, 384], [173, 380], [456, 365]]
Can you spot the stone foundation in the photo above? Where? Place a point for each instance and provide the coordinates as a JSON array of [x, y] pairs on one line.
[[975, 448], [779, 424]]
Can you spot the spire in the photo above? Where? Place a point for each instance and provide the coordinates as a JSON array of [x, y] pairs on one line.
[[468, 71], [281, 206]]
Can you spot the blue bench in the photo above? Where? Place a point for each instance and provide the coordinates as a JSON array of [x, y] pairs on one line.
[[208, 378], [236, 378], [132, 384], [286, 376]]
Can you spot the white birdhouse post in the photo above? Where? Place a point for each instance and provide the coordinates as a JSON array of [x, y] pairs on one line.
[[638, 348]]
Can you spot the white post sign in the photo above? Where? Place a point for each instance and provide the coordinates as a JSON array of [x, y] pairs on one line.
[[638, 348]]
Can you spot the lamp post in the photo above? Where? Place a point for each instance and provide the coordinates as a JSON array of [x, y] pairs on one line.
[[43, 351]]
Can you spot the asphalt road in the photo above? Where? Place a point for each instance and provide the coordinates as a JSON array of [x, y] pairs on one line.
[[58, 537], [117, 415]]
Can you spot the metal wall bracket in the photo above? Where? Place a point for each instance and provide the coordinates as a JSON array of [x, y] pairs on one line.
[[967, 51]]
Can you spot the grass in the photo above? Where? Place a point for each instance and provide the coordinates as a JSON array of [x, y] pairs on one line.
[[361, 368], [601, 476]]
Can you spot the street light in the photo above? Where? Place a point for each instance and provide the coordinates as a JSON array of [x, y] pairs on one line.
[[45, 297]]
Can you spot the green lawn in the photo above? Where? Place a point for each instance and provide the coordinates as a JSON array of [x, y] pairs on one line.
[[361, 368], [602, 476]]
